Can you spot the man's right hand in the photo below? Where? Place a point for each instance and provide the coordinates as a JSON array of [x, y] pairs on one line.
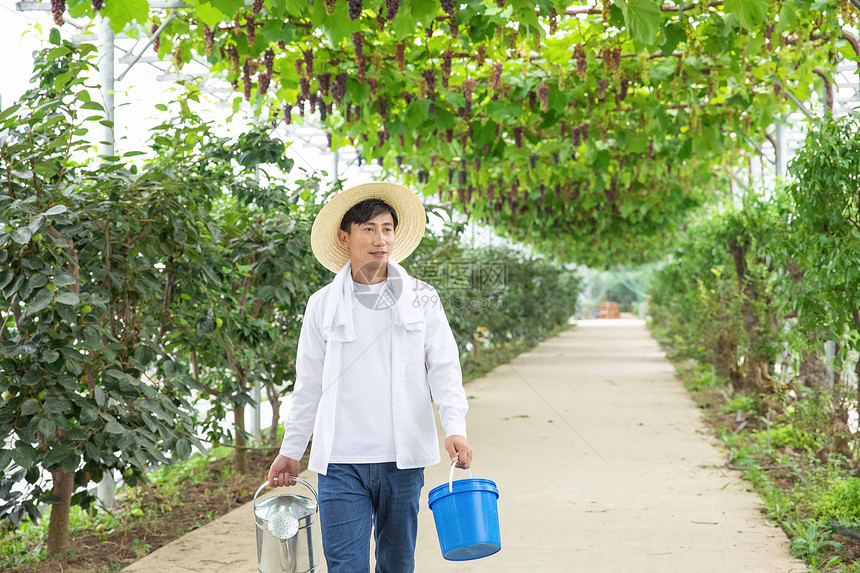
[[283, 471]]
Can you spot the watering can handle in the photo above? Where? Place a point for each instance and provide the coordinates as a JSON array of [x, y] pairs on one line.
[[298, 479], [451, 477]]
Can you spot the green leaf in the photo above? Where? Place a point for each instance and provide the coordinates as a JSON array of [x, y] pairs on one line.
[[99, 393], [209, 14], [56, 210], [227, 7], [31, 377], [57, 405], [674, 34], [67, 313], [47, 427], [9, 110], [30, 407], [113, 427], [24, 455], [63, 278], [750, 13], [40, 301], [50, 356], [68, 297], [642, 18], [121, 13], [161, 107], [21, 236], [404, 23], [787, 17]]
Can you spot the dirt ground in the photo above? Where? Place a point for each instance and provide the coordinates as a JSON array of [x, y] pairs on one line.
[[199, 503], [603, 464]]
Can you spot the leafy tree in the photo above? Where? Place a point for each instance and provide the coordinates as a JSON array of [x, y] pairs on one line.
[[827, 224], [81, 250]]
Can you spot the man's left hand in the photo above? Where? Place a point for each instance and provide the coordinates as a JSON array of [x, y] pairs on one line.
[[459, 451]]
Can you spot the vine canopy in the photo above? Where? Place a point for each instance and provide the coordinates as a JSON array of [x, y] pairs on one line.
[[588, 131]]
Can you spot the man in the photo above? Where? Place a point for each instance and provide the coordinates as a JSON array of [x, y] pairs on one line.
[[375, 346]]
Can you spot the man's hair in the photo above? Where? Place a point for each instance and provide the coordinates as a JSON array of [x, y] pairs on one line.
[[365, 211]]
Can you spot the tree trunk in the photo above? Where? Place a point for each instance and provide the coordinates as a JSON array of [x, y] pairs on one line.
[[814, 372], [856, 315], [725, 347], [755, 369], [275, 403], [58, 526], [240, 459]]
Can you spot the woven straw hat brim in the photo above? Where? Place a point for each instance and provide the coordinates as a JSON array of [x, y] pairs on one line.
[[411, 220]]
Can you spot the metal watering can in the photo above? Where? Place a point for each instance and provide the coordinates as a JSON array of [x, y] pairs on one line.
[[287, 531]]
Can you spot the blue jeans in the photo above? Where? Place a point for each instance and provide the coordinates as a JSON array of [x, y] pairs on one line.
[[355, 497]]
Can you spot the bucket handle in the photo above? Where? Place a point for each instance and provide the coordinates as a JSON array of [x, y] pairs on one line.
[[298, 479], [451, 476]]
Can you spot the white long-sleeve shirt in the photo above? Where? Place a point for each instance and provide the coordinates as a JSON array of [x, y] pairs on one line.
[[424, 363]]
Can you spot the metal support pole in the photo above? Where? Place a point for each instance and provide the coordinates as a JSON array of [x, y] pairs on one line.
[[149, 42], [781, 151], [335, 160], [107, 486], [106, 83], [792, 97], [256, 430]]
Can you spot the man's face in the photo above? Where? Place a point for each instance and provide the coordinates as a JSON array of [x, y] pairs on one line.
[[369, 243]]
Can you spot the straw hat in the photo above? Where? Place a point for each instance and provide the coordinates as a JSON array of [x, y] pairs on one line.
[[410, 222]]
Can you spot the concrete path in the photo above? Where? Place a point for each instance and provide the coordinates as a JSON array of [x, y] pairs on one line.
[[603, 465]]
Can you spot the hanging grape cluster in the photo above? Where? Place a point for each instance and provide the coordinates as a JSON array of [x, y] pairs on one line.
[[309, 61], [233, 57], [625, 86], [468, 87], [251, 30], [581, 61], [324, 80], [156, 43], [329, 6], [269, 62], [338, 91], [98, 5], [446, 68], [612, 60], [518, 136], [497, 74], [246, 79], [355, 8], [400, 56], [57, 9], [360, 59], [391, 7], [602, 85], [305, 87], [543, 95], [448, 7], [430, 78]]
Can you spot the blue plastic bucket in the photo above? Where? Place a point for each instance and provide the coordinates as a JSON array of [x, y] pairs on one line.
[[467, 518]]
